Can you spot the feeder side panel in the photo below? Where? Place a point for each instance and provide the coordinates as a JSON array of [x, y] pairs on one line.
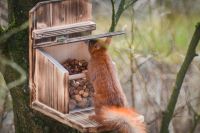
[[51, 82]]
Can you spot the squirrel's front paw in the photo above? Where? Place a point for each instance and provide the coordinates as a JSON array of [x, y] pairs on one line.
[[86, 74]]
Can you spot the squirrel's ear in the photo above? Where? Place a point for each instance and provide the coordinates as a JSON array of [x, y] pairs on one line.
[[108, 40]]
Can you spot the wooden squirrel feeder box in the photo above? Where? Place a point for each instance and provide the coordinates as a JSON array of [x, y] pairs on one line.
[[59, 30]]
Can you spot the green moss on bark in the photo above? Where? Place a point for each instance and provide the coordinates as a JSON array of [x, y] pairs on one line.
[[26, 119]]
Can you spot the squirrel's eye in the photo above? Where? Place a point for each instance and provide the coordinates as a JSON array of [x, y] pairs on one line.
[[97, 46]]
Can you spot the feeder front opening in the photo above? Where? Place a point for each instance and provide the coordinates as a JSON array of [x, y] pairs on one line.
[[81, 90]]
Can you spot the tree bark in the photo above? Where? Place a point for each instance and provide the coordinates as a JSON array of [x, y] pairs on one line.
[[26, 120]]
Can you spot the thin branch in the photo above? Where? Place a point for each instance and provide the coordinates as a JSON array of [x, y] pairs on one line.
[[196, 117], [16, 67], [155, 119], [183, 106], [3, 96], [132, 58], [191, 53], [113, 16], [117, 14], [7, 35], [4, 107], [119, 11], [196, 121], [130, 3]]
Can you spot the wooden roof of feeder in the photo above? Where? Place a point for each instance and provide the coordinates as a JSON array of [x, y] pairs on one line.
[[59, 22]]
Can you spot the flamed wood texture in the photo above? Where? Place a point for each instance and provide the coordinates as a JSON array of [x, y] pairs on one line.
[[60, 13], [61, 53], [51, 81], [64, 30], [78, 120], [48, 79], [44, 15]]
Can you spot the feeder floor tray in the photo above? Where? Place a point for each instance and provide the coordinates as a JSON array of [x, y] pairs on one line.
[[77, 119], [81, 118]]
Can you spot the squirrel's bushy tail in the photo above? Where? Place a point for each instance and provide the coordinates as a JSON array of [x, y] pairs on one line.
[[125, 119]]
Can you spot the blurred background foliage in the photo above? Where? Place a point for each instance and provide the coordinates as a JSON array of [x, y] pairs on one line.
[[150, 54], [147, 57], [161, 27]]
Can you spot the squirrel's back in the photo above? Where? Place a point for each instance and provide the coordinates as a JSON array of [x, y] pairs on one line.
[[102, 73], [111, 108]]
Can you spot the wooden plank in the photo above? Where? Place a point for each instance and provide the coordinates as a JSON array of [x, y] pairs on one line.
[[46, 88], [50, 87], [77, 11], [39, 4], [67, 51], [60, 91], [63, 30], [78, 39], [39, 77], [48, 109], [84, 10], [50, 76], [43, 19], [55, 87], [77, 76], [66, 93], [82, 118], [58, 13]]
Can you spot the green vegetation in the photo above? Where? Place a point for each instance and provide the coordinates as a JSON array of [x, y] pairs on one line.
[[165, 37]]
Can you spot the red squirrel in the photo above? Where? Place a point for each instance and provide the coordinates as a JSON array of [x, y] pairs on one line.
[[111, 106]]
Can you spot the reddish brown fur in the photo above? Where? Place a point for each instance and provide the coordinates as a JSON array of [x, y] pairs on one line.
[[108, 91]]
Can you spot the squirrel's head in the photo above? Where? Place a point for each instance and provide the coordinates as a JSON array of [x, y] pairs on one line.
[[98, 45]]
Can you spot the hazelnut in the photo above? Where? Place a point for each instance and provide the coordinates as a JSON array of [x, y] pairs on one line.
[[83, 103], [78, 98], [85, 94], [81, 92]]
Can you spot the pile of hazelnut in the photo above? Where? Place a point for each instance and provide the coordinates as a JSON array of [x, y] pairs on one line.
[[75, 66], [81, 94], [81, 91]]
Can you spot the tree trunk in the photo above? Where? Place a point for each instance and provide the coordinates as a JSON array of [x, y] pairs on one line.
[[26, 120]]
